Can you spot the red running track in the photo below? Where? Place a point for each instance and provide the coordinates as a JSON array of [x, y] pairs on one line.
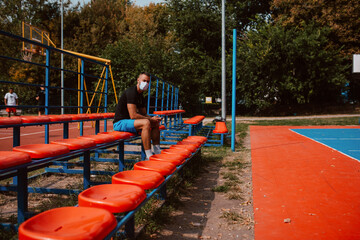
[[36, 134], [302, 189]]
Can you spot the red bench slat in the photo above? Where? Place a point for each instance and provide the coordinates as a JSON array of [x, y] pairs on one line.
[[34, 119], [69, 223], [116, 198], [75, 143], [59, 118], [164, 168], [10, 120], [194, 120], [42, 150], [144, 179], [220, 127], [99, 139], [11, 158]]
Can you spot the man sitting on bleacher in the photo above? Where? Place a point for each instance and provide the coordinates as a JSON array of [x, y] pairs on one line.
[[131, 116]]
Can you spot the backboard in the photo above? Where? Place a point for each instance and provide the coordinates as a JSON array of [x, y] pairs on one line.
[[35, 34]]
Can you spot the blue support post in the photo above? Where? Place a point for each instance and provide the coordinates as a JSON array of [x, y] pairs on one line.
[[22, 194], [47, 80], [157, 91], [16, 136], [106, 95], [82, 95], [148, 105], [121, 149], [167, 95], [233, 123], [66, 130], [86, 169], [162, 96], [172, 97]]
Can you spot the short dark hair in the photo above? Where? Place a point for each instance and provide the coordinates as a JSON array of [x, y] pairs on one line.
[[145, 73], [11, 89]]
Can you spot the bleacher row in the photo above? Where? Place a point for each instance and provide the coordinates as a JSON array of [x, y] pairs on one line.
[[117, 197], [93, 217]]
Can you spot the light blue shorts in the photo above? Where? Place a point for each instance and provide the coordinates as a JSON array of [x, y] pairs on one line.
[[125, 125]]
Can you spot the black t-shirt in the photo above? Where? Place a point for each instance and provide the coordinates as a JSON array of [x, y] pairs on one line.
[[41, 95], [132, 96]]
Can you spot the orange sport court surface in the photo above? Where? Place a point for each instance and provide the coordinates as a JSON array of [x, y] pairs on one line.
[[306, 182]]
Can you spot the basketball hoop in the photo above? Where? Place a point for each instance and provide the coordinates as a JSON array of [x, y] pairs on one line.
[[27, 55]]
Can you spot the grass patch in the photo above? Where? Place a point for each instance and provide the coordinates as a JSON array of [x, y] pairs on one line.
[[235, 196], [222, 188], [231, 217], [230, 176]]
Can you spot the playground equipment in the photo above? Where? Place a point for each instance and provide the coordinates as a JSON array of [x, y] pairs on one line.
[[162, 99]]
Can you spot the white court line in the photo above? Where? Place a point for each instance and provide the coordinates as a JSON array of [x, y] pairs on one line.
[[315, 140], [27, 134]]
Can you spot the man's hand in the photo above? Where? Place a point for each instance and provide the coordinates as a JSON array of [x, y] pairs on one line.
[[155, 119]]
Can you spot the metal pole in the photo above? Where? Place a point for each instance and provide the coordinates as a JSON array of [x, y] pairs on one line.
[[62, 57], [233, 122], [223, 72]]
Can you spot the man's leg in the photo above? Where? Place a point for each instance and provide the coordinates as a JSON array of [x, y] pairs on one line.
[[155, 136], [145, 126]]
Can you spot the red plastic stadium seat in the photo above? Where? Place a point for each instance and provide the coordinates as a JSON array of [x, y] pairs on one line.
[[68, 223], [161, 112], [162, 127], [42, 150], [99, 139], [10, 159], [189, 147], [175, 159], [220, 127], [95, 116], [116, 198], [194, 120], [59, 118], [107, 115], [10, 120], [183, 152], [35, 119], [75, 143], [144, 179], [79, 116], [164, 168], [199, 138], [119, 135], [189, 142]]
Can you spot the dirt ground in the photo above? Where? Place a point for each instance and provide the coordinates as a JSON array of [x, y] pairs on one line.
[[205, 214]]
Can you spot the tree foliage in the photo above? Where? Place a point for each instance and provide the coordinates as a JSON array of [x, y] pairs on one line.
[[279, 66], [342, 16], [298, 53]]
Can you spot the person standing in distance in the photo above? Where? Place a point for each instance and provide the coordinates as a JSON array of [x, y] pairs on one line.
[[40, 97], [11, 99], [131, 116]]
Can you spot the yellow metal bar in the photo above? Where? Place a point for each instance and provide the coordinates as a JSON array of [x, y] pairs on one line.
[[107, 61], [97, 86], [102, 90], [87, 96], [113, 83]]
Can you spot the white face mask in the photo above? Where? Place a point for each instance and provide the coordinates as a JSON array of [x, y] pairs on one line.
[[144, 86]]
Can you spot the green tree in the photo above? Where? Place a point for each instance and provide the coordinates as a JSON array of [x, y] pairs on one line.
[[342, 16], [279, 66]]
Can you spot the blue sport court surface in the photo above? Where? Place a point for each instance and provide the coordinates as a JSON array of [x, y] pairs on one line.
[[345, 140]]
